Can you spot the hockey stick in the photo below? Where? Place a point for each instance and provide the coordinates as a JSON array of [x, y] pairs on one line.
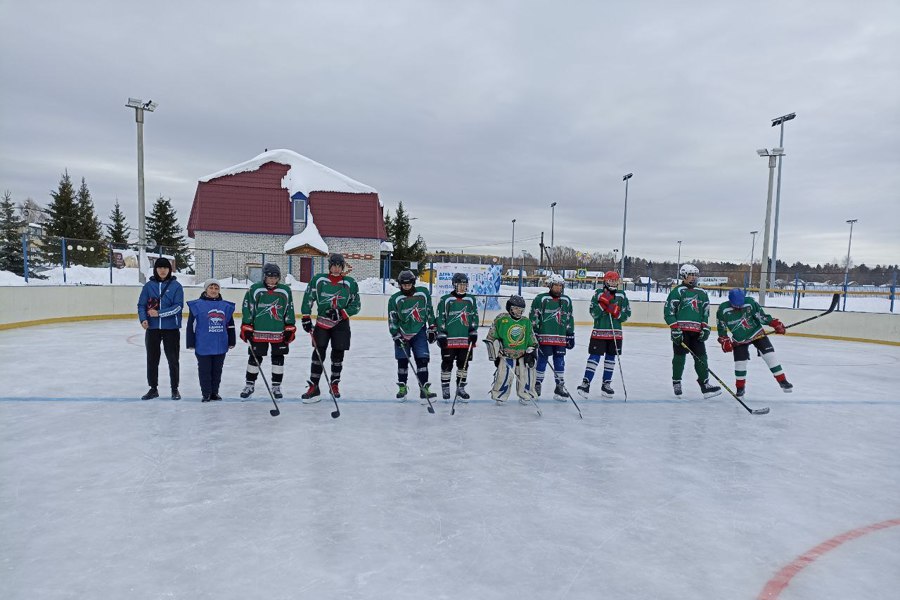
[[618, 356], [752, 411], [550, 364], [533, 401], [834, 302], [456, 395], [275, 411], [422, 391], [337, 411]]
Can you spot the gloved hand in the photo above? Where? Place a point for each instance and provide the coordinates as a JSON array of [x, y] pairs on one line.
[[570, 339], [778, 326], [442, 339], [529, 358], [398, 339], [290, 332], [677, 335], [497, 361], [704, 334], [246, 332], [604, 300], [431, 334], [726, 344], [306, 322], [615, 310], [473, 336]]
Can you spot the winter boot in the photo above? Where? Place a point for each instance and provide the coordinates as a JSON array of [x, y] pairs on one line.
[[175, 394], [205, 398], [425, 393], [676, 387], [786, 386], [606, 390], [402, 390], [560, 392], [248, 390], [214, 397], [276, 391], [461, 393], [151, 393], [335, 390], [445, 391], [709, 391], [311, 395], [584, 390]]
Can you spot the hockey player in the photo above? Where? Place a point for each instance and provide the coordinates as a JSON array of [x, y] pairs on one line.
[[336, 298], [610, 308], [744, 318], [457, 334], [511, 344], [267, 319], [412, 326], [687, 313], [554, 325]]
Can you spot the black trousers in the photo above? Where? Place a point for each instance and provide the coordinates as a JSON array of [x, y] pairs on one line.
[[171, 340], [209, 368]]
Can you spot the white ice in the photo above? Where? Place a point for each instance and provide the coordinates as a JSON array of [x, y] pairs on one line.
[[105, 496]]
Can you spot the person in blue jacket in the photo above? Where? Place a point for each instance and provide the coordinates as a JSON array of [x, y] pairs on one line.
[[210, 333], [159, 311]]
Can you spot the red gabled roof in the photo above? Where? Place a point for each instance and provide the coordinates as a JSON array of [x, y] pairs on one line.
[[338, 214]]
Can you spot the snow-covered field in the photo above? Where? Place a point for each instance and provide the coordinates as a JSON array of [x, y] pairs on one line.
[[105, 496]]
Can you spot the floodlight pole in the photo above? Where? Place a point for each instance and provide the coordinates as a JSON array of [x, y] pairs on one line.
[[764, 266], [139, 107], [847, 270], [678, 260], [780, 122], [552, 224], [752, 252], [625, 178], [512, 251]]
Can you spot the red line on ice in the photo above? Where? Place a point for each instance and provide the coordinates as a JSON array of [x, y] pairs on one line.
[[783, 578]]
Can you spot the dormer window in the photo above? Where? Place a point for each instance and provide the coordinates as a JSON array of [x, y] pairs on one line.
[[298, 207]]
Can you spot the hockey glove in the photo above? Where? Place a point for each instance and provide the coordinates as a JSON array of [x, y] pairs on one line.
[[778, 326], [725, 341], [290, 332], [570, 340], [473, 336], [677, 335], [704, 334], [398, 339], [615, 310], [246, 332], [431, 334], [442, 340], [604, 300], [306, 322], [529, 358]]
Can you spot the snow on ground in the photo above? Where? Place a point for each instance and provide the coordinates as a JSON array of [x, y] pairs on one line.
[[105, 496]]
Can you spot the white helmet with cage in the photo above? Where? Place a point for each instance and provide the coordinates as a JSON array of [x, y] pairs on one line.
[[688, 269], [556, 279]]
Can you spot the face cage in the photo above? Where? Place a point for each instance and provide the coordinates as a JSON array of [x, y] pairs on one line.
[[516, 312], [460, 288]]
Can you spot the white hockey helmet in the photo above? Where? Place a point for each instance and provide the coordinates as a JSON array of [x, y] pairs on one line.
[[555, 279], [688, 269]]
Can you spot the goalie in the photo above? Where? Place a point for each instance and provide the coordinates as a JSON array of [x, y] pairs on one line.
[[511, 344]]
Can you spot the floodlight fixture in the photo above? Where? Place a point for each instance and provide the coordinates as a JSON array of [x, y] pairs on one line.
[[783, 119], [627, 176]]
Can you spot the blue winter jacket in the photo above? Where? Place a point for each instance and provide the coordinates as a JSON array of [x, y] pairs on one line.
[[170, 305]]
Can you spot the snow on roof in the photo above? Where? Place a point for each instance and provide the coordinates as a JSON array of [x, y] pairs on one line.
[[309, 236], [304, 175]]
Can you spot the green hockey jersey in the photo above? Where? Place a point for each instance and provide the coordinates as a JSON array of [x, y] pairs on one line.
[[514, 336], [688, 307], [325, 292], [268, 311], [745, 323], [456, 316], [552, 318], [409, 314], [607, 327]]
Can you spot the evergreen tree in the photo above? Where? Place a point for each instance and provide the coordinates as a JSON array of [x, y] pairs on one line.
[[62, 218], [162, 226], [89, 231], [12, 257], [118, 230], [398, 232]]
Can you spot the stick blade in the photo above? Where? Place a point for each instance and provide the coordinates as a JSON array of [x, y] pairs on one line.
[[760, 411], [834, 302], [274, 412], [335, 414], [431, 409]]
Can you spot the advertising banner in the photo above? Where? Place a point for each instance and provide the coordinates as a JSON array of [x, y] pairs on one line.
[[483, 280]]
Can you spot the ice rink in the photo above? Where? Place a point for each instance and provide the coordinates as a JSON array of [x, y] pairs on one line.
[[106, 496]]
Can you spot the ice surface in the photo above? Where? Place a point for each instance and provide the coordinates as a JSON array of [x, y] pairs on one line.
[[105, 496]]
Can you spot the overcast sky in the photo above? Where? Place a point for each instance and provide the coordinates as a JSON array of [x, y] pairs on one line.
[[473, 113]]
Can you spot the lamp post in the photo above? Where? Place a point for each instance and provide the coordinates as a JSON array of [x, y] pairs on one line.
[[512, 250], [139, 107], [552, 224], [678, 260], [847, 270], [764, 266], [752, 252], [625, 178], [779, 121]]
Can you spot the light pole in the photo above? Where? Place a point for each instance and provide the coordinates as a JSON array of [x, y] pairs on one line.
[[625, 178], [139, 107], [552, 223], [780, 121], [678, 260], [512, 251], [764, 265], [752, 252], [847, 270]]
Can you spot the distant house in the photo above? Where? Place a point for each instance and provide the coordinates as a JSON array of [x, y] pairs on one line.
[[284, 208]]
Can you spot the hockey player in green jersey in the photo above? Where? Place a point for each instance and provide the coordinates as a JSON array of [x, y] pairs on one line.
[[412, 327], [744, 318], [457, 334], [267, 319], [686, 312], [335, 297], [610, 308], [554, 326], [512, 345]]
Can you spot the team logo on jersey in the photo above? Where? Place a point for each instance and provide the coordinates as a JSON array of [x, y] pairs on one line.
[[413, 313], [273, 309], [744, 323], [694, 303], [462, 317], [557, 315], [332, 298], [517, 335]]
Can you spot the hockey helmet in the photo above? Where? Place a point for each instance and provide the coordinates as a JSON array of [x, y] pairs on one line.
[[736, 297], [515, 302], [271, 270], [688, 269], [555, 279], [459, 278], [611, 279], [406, 277]]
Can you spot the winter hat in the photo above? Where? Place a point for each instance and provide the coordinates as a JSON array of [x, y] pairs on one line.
[[210, 282], [162, 262]]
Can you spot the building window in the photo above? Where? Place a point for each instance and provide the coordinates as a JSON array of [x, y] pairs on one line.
[[299, 209]]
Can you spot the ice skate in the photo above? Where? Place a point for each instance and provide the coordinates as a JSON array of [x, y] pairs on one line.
[[786, 386], [402, 390], [247, 391], [276, 391], [606, 390], [709, 391], [560, 393], [312, 394], [461, 394], [584, 390], [676, 387]]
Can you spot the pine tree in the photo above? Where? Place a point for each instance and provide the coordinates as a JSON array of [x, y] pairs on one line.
[[62, 218], [162, 226], [89, 230], [398, 232], [12, 257], [118, 230]]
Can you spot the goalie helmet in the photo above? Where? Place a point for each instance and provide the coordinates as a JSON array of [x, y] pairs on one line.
[[515, 302], [688, 269]]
